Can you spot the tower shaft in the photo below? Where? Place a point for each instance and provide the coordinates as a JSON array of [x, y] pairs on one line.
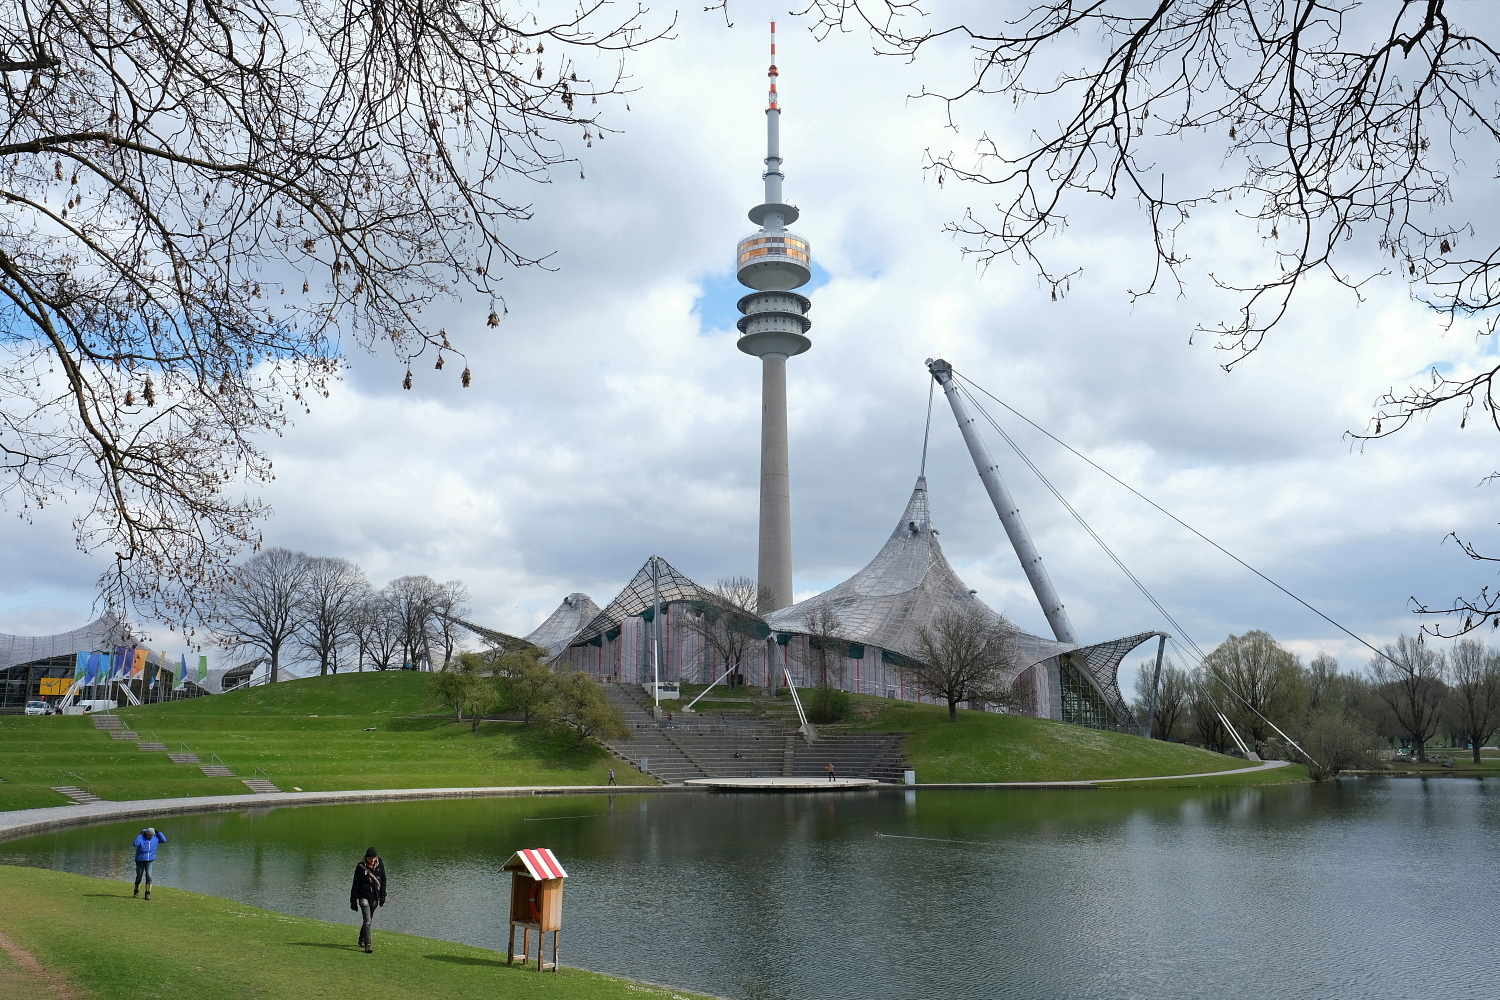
[[774, 568], [774, 261]]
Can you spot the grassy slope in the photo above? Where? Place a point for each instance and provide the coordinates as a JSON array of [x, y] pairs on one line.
[[305, 733], [984, 746], [184, 946]]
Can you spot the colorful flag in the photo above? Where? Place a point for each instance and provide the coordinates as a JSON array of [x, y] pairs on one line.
[[91, 672], [117, 667], [182, 674], [138, 663], [80, 665], [202, 669]]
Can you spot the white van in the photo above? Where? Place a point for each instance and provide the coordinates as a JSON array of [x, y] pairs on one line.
[[38, 707], [91, 705]]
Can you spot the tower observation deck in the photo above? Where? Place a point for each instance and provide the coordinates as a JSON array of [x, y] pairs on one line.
[[773, 262]]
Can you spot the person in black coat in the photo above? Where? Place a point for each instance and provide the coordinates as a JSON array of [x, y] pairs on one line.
[[368, 893]]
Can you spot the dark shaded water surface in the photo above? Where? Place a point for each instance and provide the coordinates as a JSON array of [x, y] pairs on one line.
[[1357, 889]]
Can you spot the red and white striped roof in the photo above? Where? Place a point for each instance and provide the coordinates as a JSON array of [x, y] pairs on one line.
[[540, 863]]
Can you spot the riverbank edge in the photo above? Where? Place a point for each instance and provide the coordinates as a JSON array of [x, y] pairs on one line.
[[20, 823]]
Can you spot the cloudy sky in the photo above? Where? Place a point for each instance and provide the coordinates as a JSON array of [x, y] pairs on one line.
[[611, 416]]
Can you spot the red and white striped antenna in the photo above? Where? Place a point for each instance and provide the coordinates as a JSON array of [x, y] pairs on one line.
[[773, 106]]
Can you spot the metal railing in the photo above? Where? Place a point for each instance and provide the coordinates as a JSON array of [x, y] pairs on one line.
[[82, 782]]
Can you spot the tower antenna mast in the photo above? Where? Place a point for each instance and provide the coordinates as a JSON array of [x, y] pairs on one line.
[[773, 261]]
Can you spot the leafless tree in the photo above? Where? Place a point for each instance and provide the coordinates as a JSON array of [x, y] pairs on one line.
[[826, 645], [202, 205], [1474, 692], [413, 601], [1173, 695], [378, 631], [728, 622], [966, 654], [449, 601], [261, 604], [1341, 136], [1203, 701], [1410, 681], [332, 592]]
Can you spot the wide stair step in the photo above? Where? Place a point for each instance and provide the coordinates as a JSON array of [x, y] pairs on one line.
[[107, 722], [728, 744], [124, 734], [183, 758], [260, 786], [152, 746], [78, 795], [216, 771]]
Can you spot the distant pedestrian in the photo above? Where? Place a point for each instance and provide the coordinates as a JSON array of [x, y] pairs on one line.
[[145, 857], [830, 770], [368, 893], [669, 721], [612, 780]]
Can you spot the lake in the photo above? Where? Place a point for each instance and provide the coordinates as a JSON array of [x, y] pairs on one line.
[[1362, 889]]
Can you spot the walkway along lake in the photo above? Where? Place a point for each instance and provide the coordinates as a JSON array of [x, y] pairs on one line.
[[1378, 888]]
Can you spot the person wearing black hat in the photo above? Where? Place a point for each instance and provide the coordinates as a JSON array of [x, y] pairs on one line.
[[368, 893]]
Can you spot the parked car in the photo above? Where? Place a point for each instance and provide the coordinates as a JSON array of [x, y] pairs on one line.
[[38, 708]]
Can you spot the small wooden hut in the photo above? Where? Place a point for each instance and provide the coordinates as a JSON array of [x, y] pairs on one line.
[[536, 889]]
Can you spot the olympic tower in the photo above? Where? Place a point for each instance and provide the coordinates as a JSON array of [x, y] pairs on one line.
[[773, 261]]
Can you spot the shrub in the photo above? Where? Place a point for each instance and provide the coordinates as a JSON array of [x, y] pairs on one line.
[[827, 704]]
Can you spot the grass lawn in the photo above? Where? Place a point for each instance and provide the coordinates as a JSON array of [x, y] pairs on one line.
[[312, 733], [183, 946], [985, 746]]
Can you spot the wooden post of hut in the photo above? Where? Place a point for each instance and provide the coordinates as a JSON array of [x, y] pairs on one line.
[[536, 889]]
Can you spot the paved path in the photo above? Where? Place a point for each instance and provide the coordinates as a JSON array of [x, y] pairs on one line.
[[26, 822]]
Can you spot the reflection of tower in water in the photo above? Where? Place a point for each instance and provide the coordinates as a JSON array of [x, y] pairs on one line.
[[773, 262]]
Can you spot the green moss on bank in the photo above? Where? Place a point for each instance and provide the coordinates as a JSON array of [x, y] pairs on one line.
[[350, 731], [184, 946], [985, 746]]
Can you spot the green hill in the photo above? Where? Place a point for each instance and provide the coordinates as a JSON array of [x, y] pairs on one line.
[[350, 731], [984, 746], [106, 946]]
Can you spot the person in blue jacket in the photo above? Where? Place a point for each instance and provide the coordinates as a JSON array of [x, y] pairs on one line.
[[145, 856]]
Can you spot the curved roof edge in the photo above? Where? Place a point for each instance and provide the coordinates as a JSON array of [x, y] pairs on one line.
[[104, 632], [638, 596], [556, 633]]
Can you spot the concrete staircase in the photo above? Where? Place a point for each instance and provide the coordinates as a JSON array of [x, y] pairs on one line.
[[123, 734], [216, 771], [107, 722], [78, 795], [758, 741], [147, 745], [184, 758], [260, 786]]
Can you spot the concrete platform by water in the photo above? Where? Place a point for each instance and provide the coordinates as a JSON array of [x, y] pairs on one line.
[[778, 783]]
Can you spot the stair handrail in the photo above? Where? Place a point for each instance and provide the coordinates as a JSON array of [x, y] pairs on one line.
[[88, 786], [214, 756], [185, 748], [263, 773]]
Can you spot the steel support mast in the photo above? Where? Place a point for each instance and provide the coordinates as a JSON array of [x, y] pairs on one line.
[[1005, 506]]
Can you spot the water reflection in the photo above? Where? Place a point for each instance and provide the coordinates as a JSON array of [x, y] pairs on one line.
[[1363, 889]]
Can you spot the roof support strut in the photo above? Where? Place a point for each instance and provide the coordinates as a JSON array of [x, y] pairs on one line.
[[1005, 506]]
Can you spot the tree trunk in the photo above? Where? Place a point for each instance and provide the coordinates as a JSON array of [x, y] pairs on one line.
[[952, 709], [275, 664], [1475, 745], [1419, 750]]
